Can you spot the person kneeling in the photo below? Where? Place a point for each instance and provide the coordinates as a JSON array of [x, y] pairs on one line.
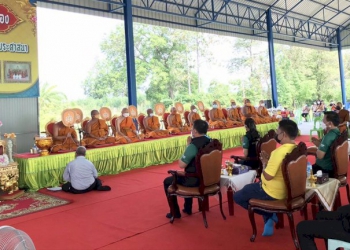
[[272, 186], [81, 175]]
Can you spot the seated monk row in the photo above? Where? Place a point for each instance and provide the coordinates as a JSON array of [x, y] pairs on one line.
[[174, 121], [218, 120], [152, 126], [260, 117], [126, 129]]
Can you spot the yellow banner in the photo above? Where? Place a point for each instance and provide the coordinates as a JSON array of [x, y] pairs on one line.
[[19, 72]]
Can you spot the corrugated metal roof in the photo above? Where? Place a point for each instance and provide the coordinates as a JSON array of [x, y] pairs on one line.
[[311, 23]]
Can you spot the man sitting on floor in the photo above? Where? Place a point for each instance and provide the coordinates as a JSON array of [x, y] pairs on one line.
[[328, 225], [81, 175], [323, 153], [272, 186], [198, 140]]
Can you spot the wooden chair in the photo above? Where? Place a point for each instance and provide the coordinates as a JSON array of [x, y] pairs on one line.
[[267, 144], [140, 119], [187, 122], [225, 113], [206, 115], [165, 120], [208, 170], [294, 175], [49, 128]]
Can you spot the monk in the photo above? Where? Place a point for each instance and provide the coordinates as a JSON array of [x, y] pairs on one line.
[[174, 121], [262, 111], [343, 117], [97, 131], [249, 110], [193, 115], [217, 118], [233, 115], [126, 129], [152, 126], [64, 138]]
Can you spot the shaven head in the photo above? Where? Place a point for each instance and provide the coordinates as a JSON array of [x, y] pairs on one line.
[[173, 110], [193, 107], [149, 111], [247, 101], [233, 102], [81, 151], [214, 102], [261, 102], [125, 110], [94, 113]]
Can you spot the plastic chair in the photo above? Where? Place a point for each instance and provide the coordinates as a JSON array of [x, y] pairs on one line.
[[317, 128], [335, 244]]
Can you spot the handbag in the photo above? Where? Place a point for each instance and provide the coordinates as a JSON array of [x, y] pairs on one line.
[[239, 169]]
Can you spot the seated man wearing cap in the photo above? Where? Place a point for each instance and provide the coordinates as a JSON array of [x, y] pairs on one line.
[[193, 115], [152, 126], [233, 115], [217, 118], [126, 129], [64, 138], [174, 121], [96, 131]]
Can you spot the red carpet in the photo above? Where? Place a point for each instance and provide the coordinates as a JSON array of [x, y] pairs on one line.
[[132, 216]]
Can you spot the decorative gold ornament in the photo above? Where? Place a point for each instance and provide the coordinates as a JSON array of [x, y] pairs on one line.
[[44, 144], [312, 179], [9, 178]]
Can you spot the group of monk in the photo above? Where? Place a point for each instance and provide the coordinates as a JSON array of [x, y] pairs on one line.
[[96, 131]]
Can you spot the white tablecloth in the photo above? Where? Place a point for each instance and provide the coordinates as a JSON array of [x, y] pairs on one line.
[[237, 182]]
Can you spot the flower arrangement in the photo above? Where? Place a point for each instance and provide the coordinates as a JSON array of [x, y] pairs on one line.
[[11, 135]]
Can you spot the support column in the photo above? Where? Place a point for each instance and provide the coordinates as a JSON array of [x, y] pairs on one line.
[[271, 58], [129, 50], [341, 70]]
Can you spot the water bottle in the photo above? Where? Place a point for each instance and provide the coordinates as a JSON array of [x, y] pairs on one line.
[[308, 169]]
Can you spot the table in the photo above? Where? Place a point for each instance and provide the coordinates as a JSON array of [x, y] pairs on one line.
[[233, 184], [325, 193]]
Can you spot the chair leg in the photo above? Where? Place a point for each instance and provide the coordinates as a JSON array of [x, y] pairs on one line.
[[252, 221], [337, 202], [348, 192], [203, 213], [306, 217], [172, 210], [231, 208], [280, 223], [292, 230], [220, 200]]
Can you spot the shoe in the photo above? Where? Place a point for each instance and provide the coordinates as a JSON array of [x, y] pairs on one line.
[[104, 188], [269, 225], [189, 212], [177, 215]]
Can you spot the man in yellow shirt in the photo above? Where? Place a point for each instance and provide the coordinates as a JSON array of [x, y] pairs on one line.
[[272, 185]]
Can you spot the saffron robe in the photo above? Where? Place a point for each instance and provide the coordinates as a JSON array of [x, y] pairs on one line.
[[67, 144], [154, 125], [218, 114], [98, 129], [175, 124]]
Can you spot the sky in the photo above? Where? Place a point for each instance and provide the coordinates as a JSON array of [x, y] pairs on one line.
[[69, 46]]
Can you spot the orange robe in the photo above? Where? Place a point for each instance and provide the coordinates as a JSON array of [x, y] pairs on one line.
[[343, 116], [175, 125], [66, 144], [218, 114], [252, 113], [266, 115], [98, 129], [127, 127], [153, 123], [195, 117], [234, 116]]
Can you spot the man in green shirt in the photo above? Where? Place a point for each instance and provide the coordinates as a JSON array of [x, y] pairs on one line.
[[323, 153], [196, 141]]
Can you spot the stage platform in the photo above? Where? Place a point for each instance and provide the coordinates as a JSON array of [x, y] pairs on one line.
[[46, 171]]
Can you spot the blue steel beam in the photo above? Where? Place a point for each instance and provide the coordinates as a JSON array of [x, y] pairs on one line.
[[271, 58], [341, 69], [130, 55]]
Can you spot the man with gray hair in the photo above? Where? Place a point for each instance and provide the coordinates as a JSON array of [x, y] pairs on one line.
[[81, 175]]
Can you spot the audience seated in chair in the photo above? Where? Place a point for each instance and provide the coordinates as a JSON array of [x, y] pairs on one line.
[[187, 162], [152, 126], [328, 225], [64, 138], [249, 144], [272, 185], [323, 153], [96, 131]]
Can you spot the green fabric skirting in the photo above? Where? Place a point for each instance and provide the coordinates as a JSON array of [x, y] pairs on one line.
[[47, 171]]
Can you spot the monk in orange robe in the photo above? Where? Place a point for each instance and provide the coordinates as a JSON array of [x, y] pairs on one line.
[[64, 138], [174, 121], [193, 115], [126, 129], [343, 117], [265, 114], [233, 115], [97, 131], [152, 126], [249, 110], [217, 118]]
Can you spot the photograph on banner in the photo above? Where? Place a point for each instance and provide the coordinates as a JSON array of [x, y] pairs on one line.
[[19, 75]]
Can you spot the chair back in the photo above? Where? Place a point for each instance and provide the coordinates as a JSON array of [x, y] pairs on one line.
[[140, 119], [294, 173], [165, 120], [340, 155], [49, 128], [317, 122], [224, 111], [208, 164], [268, 144], [186, 118], [206, 115]]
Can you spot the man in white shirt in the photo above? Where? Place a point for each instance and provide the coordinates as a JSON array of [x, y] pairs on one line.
[[81, 175]]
